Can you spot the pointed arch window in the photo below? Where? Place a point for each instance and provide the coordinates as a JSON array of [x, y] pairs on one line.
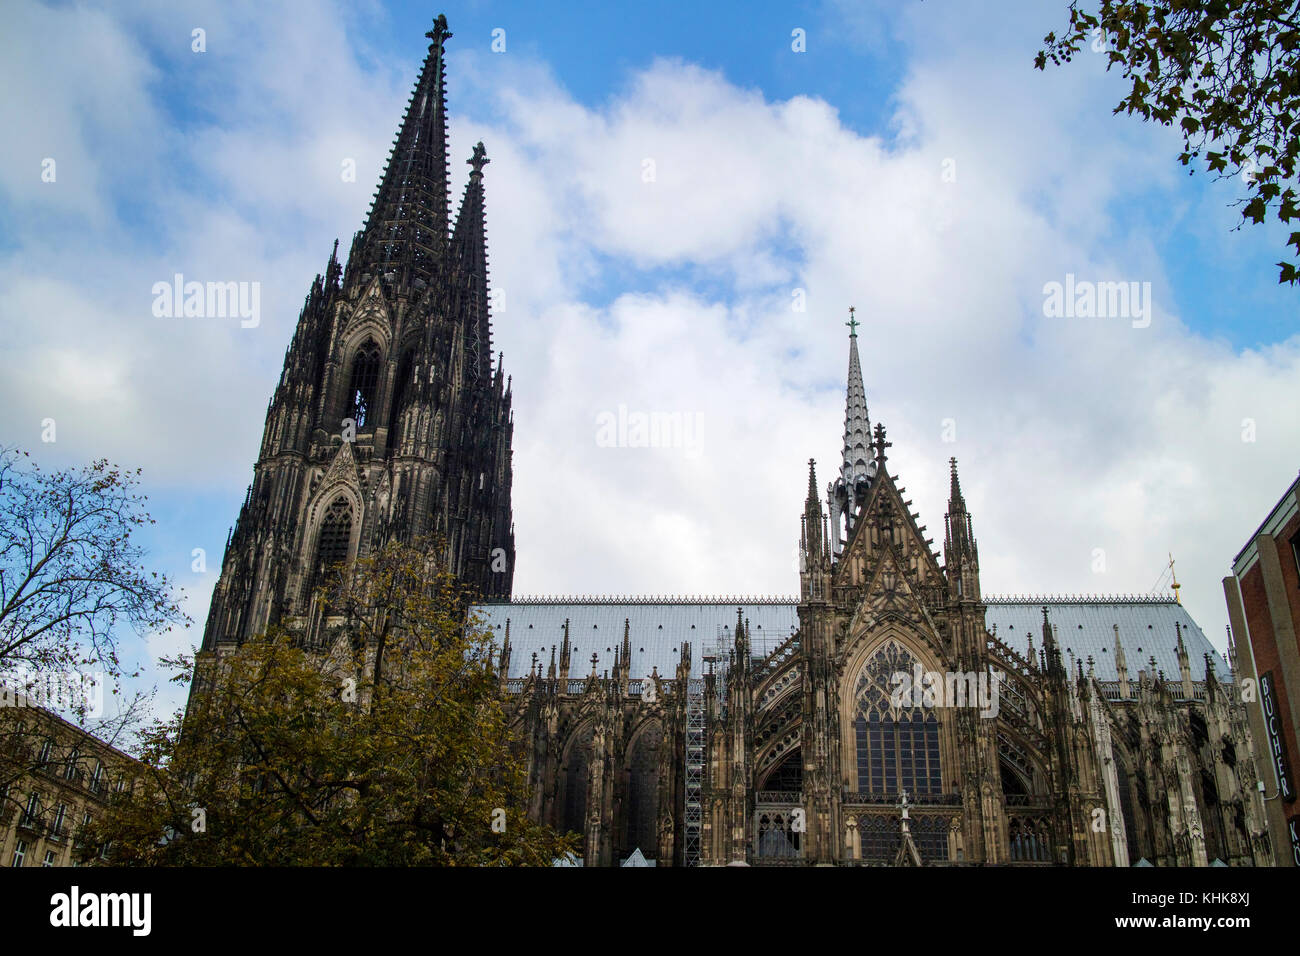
[[364, 383], [334, 539], [642, 818], [401, 389], [897, 746], [575, 772]]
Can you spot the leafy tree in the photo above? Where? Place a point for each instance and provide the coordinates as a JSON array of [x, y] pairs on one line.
[[293, 752], [70, 572], [1223, 71]]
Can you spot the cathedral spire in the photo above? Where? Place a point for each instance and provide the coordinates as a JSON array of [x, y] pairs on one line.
[[956, 503], [407, 225], [469, 258], [848, 493], [857, 424]]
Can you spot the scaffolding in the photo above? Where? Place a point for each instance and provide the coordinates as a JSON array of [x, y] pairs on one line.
[[694, 779]]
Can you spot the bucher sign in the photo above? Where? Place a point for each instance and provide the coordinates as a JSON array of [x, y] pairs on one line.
[[1276, 746]]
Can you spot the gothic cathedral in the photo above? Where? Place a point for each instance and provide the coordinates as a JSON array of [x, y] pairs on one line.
[[892, 714]]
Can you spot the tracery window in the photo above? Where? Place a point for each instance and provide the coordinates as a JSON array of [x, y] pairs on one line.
[[365, 379], [777, 837], [401, 388], [897, 746], [575, 783], [643, 793], [335, 536], [881, 835], [1030, 840]]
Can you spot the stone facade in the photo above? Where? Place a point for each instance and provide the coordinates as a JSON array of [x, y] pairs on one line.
[[54, 779], [391, 419], [779, 748]]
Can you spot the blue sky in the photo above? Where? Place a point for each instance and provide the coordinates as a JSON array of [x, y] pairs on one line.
[[777, 171]]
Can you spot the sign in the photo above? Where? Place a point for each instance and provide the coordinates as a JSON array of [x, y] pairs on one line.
[[1276, 746]]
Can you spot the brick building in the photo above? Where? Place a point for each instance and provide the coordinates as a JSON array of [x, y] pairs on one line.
[[1263, 594]]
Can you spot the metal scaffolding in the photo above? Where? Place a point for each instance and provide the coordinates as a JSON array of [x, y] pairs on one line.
[[694, 779]]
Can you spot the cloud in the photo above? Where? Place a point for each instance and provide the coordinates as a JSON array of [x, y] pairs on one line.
[[672, 294]]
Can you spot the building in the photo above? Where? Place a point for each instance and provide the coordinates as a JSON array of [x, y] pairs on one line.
[[55, 778], [391, 417], [1077, 731], [1263, 595], [1089, 731]]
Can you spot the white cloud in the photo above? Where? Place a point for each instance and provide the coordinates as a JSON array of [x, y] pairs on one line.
[[1073, 434]]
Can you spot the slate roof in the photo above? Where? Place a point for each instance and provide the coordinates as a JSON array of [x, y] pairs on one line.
[[658, 626], [657, 630], [1085, 626]]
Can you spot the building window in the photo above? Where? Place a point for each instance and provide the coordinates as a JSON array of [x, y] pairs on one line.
[[335, 536], [60, 815], [20, 853], [365, 379], [401, 389], [642, 817], [46, 748], [897, 746], [777, 837], [49, 858], [1031, 840], [97, 776], [33, 811], [70, 766], [575, 783]]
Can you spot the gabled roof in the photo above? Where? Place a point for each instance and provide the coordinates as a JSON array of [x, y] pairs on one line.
[[656, 631], [657, 628], [1085, 626]]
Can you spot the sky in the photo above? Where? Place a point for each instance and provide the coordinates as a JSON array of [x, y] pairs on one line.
[[682, 205]]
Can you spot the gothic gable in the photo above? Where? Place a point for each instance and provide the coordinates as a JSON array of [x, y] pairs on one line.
[[885, 526]]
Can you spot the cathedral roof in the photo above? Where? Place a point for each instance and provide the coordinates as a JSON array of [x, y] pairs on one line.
[[656, 629], [1085, 627]]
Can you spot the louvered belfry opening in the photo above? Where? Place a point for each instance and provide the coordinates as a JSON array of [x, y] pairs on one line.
[[365, 383]]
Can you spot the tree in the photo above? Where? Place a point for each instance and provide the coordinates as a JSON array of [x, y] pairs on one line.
[[385, 743], [1224, 71], [70, 573]]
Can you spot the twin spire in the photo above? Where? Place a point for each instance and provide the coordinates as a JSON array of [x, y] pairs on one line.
[[407, 229], [407, 232]]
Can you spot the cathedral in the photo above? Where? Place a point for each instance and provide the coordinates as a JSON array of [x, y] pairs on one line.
[[890, 714]]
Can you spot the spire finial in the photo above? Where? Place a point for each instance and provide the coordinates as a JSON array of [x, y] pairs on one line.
[[880, 444], [439, 31], [1175, 585], [853, 323], [479, 159]]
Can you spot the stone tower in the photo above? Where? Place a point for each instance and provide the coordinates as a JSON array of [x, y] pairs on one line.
[[390, 419]]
